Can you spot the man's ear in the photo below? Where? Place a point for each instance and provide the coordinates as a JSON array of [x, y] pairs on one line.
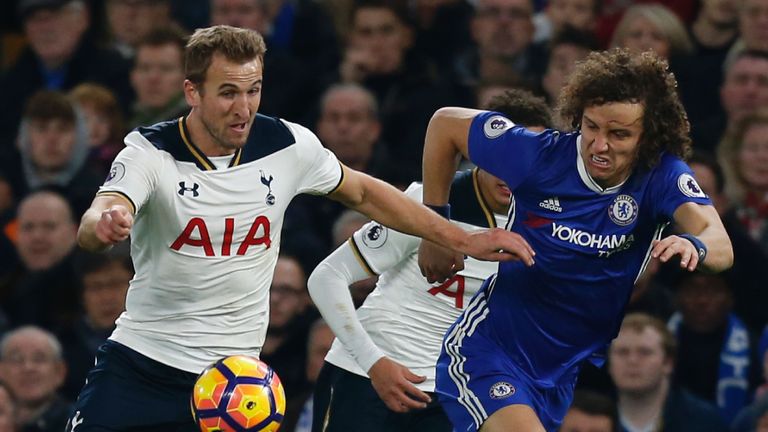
[[192, 93]]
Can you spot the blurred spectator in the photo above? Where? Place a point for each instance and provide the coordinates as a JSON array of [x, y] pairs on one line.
[[157, 77], [8, 409], [407, 86], [104, 118], [590, 412], [442, 29], [652, 27], [713, 33], [285, 346], [105, 279], [641, 364], [748, 278], [753, 418], [130, 21], [744, 154], [31, 364], [58, 58], [559, 14], [744, 90], [566, 48], [303, 29], [43, 290], [762, 360], [299, 415], [349, 126], [54, 145], [753, 25], [487, 90], [503, 33], [714, 356], [289, 85]]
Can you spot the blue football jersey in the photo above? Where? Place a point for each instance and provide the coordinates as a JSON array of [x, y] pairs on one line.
[[591, 243]]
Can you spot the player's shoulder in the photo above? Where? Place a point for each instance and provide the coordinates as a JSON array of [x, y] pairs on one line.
[[269, 135], [165, 136]]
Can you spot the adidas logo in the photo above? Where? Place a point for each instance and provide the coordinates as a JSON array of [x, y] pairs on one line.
[[551, 204]]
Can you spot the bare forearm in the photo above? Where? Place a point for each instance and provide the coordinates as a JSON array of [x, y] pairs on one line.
[[392, 208], [86, 233], [445, 143]]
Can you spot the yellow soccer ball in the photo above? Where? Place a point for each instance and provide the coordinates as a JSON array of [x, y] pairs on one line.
[[238, 394]]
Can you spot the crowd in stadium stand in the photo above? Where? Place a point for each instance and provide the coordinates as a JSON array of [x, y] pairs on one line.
[[366, 76]]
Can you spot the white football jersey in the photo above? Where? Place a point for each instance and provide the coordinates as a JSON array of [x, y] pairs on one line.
[[205, 240], [405, 315]]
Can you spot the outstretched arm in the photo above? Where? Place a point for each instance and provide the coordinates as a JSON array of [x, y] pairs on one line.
[[391, 207], [703, 225], [329, 288], [108, 221], [446, 141]]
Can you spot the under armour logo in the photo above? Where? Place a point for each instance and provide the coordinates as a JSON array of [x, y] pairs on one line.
[[268, 183], [183, 189], [76, 421]]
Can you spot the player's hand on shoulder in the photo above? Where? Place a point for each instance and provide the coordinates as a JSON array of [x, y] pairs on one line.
[[671, 246], [394, 384], [115, 224], [437, 263], [497, 244]]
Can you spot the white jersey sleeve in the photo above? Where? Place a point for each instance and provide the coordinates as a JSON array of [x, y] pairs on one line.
[[321, 171], [379, 248], [135, 171], [372, 245]]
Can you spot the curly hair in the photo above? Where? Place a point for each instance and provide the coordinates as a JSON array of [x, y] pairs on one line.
[[618, 76]]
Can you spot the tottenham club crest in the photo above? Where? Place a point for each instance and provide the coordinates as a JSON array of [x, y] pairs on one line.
[[270, 199], [116, 173], [495, 126], [623, 210], [501, 390], [375, 236], [689, 187]]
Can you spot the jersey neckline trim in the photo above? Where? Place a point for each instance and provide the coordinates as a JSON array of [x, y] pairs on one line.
[[587, 179], [489, 215], [201, 160]]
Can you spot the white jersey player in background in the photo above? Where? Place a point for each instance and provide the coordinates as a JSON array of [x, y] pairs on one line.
[[381, 368], [203, 198]]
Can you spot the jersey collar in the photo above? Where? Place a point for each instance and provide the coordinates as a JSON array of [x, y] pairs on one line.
[[587, 179], [201, 160]]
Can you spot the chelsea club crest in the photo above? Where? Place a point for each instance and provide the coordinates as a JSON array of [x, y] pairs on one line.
[[623, 210]]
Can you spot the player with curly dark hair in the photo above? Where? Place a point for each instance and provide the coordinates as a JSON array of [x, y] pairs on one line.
[[592, 204]]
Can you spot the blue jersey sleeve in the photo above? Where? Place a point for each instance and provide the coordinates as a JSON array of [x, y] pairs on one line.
[[675, 186], [506, 150]]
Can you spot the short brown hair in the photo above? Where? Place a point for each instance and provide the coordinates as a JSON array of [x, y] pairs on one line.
[[618, 76], [640, 321], [47, 105], [101, 99], [730, 147], [235, 44]]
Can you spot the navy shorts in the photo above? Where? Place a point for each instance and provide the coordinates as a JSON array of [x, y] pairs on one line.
[[345, 402], [127, 391], [474, 379]]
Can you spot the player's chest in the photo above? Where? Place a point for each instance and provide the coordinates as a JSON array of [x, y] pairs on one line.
[[240, 191], [586, 222], [232, 212]]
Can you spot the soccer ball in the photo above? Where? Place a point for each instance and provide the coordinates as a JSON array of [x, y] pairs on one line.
[[238, 394]]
